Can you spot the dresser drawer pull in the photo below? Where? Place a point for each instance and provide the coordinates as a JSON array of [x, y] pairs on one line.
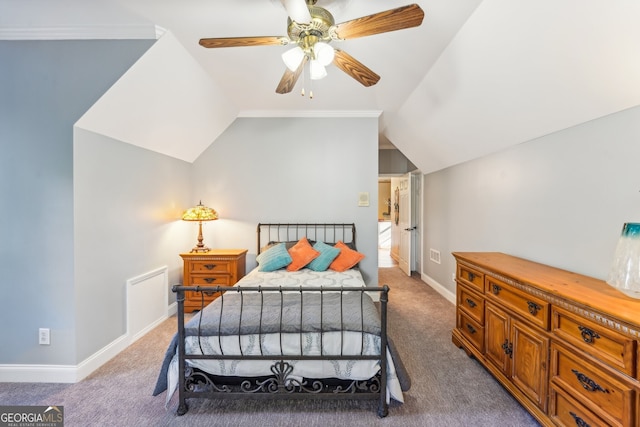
[[495, 289], [579, 421], [589, 336], [587, 383], [471, 276], [208, 293], [533, 307], [471, 328], [209, 266], [209, 279], [471, 302]]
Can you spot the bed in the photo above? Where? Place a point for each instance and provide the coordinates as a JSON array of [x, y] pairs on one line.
[[301, 324]]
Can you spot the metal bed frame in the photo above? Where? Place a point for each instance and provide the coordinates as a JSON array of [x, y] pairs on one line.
[[193, 383]]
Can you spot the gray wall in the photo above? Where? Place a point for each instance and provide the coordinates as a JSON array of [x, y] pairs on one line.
[[560, 200], [44, 88], [291, 170], [128, 205], [393, 162]]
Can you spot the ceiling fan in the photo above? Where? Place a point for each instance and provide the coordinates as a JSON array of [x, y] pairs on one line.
[[311, 29]]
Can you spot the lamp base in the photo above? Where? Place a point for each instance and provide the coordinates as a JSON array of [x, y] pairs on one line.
[[200, 249]]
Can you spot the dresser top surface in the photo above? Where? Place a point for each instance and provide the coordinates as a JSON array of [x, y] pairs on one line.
[[587, 291]]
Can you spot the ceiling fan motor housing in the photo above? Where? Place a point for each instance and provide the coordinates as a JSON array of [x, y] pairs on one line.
[[307, 35]]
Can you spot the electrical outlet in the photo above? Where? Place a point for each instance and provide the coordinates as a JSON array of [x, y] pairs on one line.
[[453, 277], [44, 337]]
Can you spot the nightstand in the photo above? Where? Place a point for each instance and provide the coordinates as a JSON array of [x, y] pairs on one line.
[[217, 267]]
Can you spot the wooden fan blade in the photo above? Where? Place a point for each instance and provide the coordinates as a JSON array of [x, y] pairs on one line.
[[244, 41], [289, 78], [355, 68], [382, 22]]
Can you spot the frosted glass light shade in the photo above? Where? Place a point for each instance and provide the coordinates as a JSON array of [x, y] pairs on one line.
[[324, 53], [317, 70], [293, 57], [625, 270]]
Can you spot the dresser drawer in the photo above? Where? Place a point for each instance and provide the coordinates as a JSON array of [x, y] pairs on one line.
[[533, 309], [471, 330], [595, 388], [212, 266], [471, 303], [209, 280], [568, 412], [607, 345], [471, 277]]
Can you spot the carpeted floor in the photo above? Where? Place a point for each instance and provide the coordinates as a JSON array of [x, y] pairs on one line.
[[448, 388]]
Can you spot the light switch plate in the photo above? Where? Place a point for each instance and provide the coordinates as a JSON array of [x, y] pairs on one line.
[[363, 199]]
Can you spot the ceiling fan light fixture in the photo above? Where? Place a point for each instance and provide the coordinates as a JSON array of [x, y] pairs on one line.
[[317, 70], [324, 53], [293, 57], [298, 11]]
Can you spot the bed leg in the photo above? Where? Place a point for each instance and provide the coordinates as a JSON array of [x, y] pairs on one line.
[[182, 408], [383, 410]]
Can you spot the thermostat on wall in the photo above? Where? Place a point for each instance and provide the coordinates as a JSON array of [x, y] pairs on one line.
[[363, 199]]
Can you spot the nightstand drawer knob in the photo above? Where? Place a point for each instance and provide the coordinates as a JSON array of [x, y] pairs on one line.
[[209, 266], [209, 279]]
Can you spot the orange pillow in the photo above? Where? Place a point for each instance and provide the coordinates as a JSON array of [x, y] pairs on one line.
[[346, 259], [302, 253]]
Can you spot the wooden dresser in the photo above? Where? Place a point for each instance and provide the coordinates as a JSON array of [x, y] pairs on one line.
[[564, 345], [218, 267]]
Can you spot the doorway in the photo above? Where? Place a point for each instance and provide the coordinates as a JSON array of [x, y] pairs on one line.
[[399, 221]]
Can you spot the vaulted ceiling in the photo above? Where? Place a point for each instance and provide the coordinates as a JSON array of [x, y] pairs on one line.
[[476, 77]]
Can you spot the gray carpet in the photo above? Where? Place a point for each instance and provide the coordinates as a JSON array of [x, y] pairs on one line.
[[448, 388]]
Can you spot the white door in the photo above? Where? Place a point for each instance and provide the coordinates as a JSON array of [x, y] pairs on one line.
[[405, 225]]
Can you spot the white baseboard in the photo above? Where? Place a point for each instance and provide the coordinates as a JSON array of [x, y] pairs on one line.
[[446, 293], [73, 373]]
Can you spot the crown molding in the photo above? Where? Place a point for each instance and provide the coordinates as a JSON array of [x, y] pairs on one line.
[[84, 32], [310, 113]]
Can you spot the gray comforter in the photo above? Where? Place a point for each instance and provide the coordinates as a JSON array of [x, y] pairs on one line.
[[272, 312]]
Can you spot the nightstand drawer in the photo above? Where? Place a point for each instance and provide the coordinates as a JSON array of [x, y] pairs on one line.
[[471, 303], [209, 280], [213, 266], [593, 387], [530, 308], [199, 299], [609, 346]]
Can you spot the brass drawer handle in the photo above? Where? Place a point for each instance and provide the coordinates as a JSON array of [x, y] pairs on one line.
[[209, 266], [471, 276], [533, 307], [589, 336], [209, 279], [471, 302], [495, 289], [579, 421], [471, 328], [587, 383]]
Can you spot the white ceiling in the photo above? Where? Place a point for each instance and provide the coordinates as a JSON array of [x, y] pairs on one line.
[[475, 78]]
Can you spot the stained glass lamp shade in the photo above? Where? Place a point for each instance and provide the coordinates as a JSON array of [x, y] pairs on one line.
[[200, 213]]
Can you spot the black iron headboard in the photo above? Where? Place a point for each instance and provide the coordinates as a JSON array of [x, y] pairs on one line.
[[328, 233]]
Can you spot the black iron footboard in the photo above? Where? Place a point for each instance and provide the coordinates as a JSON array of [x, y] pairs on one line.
[[194, 383]]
